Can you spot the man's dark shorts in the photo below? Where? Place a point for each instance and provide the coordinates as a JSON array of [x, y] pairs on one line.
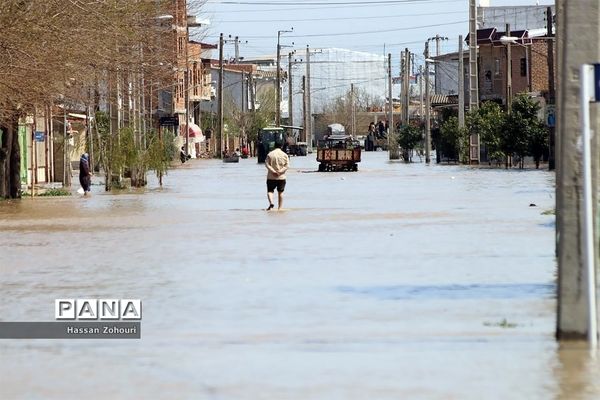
[[275, 183]]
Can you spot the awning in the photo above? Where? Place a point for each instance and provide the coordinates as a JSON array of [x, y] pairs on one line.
[[442, 99], [194, 130]]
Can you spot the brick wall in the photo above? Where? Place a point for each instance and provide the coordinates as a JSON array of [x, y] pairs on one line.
[[539, 66]]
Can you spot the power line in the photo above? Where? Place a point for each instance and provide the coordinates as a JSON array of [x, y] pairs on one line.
[[363, 32], [338, 18], [312, 3], [312, 8]]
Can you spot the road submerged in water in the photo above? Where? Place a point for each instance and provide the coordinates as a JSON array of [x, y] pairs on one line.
[[396, 281]]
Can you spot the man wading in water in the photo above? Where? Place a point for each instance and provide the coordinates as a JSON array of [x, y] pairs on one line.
[[277, 162]]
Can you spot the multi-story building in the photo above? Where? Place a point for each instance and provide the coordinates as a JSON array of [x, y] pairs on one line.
[[529, 65]]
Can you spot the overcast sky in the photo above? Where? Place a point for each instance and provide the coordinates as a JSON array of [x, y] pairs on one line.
[[374, 26]]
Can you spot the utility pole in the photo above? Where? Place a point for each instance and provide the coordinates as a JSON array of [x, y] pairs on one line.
[[237, 50], [290, 89], [353, 110], [252, 92], [219, 141], [421, 92], [403, 66], [473, 74], [508, 73], [461, 84], [304, 111], [551, 89], [427, 108], [244, 96], [474, 149], [244, 107], [390, 102], [575, 18], [278, 98], [309, 132], [252, 102], [406, 89]]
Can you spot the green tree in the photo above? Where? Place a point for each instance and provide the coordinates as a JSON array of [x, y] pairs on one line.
[[409, 137], [524, 133], [488, 121], [453, 140]]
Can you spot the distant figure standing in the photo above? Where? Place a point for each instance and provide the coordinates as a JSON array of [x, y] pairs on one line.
[[277, 163], [381, 129], [85, 175]]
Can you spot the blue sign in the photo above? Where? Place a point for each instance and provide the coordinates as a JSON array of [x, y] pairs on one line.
[[40, 136], [597, 83]]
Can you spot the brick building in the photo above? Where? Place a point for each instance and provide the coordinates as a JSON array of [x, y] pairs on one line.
[[529, 64]]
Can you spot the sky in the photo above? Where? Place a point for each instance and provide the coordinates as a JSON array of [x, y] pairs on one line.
[[373, 26]]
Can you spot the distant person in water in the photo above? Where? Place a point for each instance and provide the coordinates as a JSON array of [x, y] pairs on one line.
[[85, 174], [277, 163]]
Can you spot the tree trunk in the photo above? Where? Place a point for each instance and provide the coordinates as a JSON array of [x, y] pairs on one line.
[[10, 161], [15, 166], [4, 157]]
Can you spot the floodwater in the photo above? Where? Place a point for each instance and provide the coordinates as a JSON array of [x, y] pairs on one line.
[[395, 282]]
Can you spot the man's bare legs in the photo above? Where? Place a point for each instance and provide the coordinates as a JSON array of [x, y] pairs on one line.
[[279, 200], [270, 197]]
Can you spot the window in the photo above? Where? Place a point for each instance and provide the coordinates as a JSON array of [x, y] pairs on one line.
[[523, 67], [497, 67]]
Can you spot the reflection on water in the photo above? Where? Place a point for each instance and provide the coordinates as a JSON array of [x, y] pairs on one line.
[[454, 292], [391, 282]]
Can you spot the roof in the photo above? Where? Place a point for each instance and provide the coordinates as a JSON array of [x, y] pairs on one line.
[[493, 35], [518, 34], [208, 45], [442, 99], [483, 35]]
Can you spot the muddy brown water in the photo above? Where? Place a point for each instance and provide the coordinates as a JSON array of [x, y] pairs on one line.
[[397, 281]]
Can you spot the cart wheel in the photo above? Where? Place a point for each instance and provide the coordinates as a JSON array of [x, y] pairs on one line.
[[321, 167], [355, 167]]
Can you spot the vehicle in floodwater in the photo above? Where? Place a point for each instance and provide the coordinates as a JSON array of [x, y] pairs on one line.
[[338, 153], [267, 137]]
